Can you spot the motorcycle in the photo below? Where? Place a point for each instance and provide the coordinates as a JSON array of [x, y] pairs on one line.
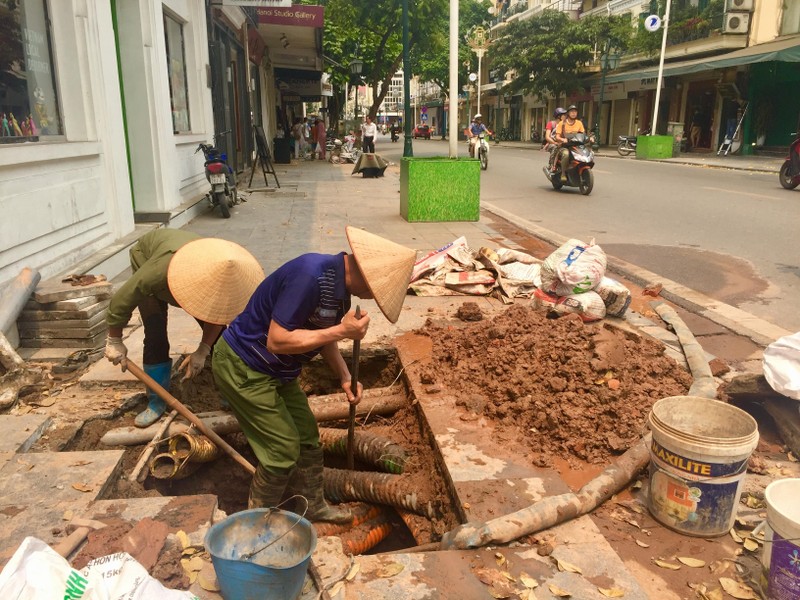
[[482, 149], [789, 174], [627, 143], [395, 134], [220, 175], [581, 159]]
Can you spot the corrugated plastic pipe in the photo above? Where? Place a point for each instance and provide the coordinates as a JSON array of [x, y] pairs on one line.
[[379, 488], [369, 448], [365, 538], [361, 514]]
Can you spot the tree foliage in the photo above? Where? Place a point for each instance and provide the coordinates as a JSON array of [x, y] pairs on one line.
[[547, 54], [372, 31]]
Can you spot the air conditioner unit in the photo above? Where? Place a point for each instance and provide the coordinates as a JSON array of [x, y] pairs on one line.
[[740, 5], [736, 22]]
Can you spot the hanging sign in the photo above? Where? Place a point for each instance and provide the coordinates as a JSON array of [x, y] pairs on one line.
[[299, 15], [652, 23]]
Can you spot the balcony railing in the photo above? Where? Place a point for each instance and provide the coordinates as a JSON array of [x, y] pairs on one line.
[[694, 28]]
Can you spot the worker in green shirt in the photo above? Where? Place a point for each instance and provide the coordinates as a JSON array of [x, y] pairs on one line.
[[210, 278]]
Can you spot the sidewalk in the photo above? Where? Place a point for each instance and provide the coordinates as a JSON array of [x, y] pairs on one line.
[[759, 164]]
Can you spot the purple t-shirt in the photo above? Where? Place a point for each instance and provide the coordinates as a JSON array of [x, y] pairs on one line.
[[306, 293]]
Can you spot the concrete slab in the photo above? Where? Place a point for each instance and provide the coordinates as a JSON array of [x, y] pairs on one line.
[[85, 317], [54, 290], [74, 304], [48, 355], [78, 329], [19, 432], [70, 342], [38, 479]]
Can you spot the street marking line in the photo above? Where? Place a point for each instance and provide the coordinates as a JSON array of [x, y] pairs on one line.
[[714, 189], [603, 172]]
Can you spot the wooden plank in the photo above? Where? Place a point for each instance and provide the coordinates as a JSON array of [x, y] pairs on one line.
[[46, 314]]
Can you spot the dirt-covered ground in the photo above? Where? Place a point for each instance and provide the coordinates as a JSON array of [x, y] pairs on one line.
[[576, 389]]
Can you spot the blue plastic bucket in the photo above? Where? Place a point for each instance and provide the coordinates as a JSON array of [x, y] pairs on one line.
[[698, 460], [275, 573]]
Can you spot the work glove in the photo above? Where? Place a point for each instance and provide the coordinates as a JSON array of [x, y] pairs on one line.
[[195, 362], [116, 351]]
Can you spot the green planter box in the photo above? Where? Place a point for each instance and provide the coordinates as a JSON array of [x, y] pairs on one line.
[[440, 189], [649, 147]]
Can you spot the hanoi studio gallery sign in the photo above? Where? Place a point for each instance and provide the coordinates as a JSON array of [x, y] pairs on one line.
[[298, 15], [259, 3]]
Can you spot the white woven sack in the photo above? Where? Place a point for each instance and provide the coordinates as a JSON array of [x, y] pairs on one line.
[[589, 306], [615, 295], [574, 268]]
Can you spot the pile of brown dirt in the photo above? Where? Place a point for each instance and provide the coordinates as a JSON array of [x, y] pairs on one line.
[[574, 389]]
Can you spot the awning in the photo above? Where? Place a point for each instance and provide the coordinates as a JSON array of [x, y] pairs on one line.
[[785, 50]]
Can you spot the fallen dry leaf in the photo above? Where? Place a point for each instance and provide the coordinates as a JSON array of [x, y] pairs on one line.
[[501, 592], [642, 544], [751, 544], [82, 487], [527, 594], [307, 586], [352, 572], [499, 559], [719, 566], [695, 563], [509, 576], [791, 457], [666, 565], [183, 539], [737, 589], [68, 515], [80, 463], [557, 591], [735, 535], [390, 570], [568, 567], [336, 589], [528, 581], [611, 592], [208, 582]]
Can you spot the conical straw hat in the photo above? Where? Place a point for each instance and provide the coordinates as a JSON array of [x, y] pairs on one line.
[[213, 279], [386, 267]]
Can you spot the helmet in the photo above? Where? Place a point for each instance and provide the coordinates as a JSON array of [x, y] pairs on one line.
[[572, 107], [559, 111], [477, 116]]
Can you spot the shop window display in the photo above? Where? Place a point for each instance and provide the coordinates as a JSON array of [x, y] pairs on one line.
[[29, 107], [176, 68]]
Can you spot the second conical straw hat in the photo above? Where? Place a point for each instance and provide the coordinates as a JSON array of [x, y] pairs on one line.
[[213, 279], [386, 267]]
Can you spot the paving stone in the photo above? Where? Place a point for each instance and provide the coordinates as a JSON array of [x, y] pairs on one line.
[[74, 304], [55, 291], [43, 478], [19, 432], [90, 313]]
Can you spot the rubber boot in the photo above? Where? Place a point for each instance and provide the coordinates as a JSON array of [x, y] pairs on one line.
[[161, 373], [306, 480], [266, 489]]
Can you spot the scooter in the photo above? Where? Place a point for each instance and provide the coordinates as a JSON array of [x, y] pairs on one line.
[[627, 143], [395, 134], [789, 174], [220, 175], [581, 161], [482, 148]]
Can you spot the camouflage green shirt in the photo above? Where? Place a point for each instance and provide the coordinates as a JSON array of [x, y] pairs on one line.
[[150, 258]]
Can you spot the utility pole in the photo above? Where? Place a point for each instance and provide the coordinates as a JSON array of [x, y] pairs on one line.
[[408, 149], [452, 117], [478, 40], [661, 68]]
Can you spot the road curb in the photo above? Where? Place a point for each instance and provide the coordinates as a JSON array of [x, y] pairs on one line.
[[738, 321]]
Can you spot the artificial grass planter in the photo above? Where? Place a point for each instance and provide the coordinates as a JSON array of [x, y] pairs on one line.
[[440, 189], [649, 147]]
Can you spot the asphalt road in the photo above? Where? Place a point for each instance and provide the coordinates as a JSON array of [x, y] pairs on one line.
[[725, 233]]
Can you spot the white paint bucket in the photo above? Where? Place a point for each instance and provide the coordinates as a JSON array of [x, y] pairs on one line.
[[698, 459], [781, 557]]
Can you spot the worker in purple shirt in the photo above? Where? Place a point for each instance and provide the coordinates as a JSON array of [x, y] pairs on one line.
[[300, 311]]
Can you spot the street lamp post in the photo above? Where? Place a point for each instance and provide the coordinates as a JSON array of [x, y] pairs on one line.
[[478, 40], [608, 61], [408, 150], [356, 66]]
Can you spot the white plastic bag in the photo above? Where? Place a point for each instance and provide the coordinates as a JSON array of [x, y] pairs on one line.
[[782, 365], [36, 571], [574, 268]]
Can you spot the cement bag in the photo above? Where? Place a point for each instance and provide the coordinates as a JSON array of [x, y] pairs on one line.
[[782, 365], [576, 265], [36, 571], [588, 306], [616, 296]]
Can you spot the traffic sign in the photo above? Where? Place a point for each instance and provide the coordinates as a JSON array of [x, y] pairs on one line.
[[652, 23], [423, 109], [423, 117]]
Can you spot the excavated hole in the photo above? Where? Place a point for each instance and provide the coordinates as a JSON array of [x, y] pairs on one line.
[[228, 481]]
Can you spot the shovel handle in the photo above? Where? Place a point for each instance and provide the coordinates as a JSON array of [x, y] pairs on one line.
[[351, 427], [176, 405]]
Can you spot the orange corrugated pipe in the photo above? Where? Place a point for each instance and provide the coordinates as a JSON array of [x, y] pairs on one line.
[[360, 544], [412, 522], [361, 513]]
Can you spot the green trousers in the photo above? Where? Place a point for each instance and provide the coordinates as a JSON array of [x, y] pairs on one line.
[[275, 417]]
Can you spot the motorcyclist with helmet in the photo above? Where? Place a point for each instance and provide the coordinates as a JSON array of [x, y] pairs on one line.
[[570, 125], [474, 130], [551, 144]]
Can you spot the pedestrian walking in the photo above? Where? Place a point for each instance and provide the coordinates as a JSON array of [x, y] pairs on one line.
[[210, 278], [299, 311], [369, 132], [322, 137], [298, 137]]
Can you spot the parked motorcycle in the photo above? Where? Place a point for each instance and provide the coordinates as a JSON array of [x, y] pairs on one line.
[[581, 161], [627, 143], [221, 177], [789, 174]]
